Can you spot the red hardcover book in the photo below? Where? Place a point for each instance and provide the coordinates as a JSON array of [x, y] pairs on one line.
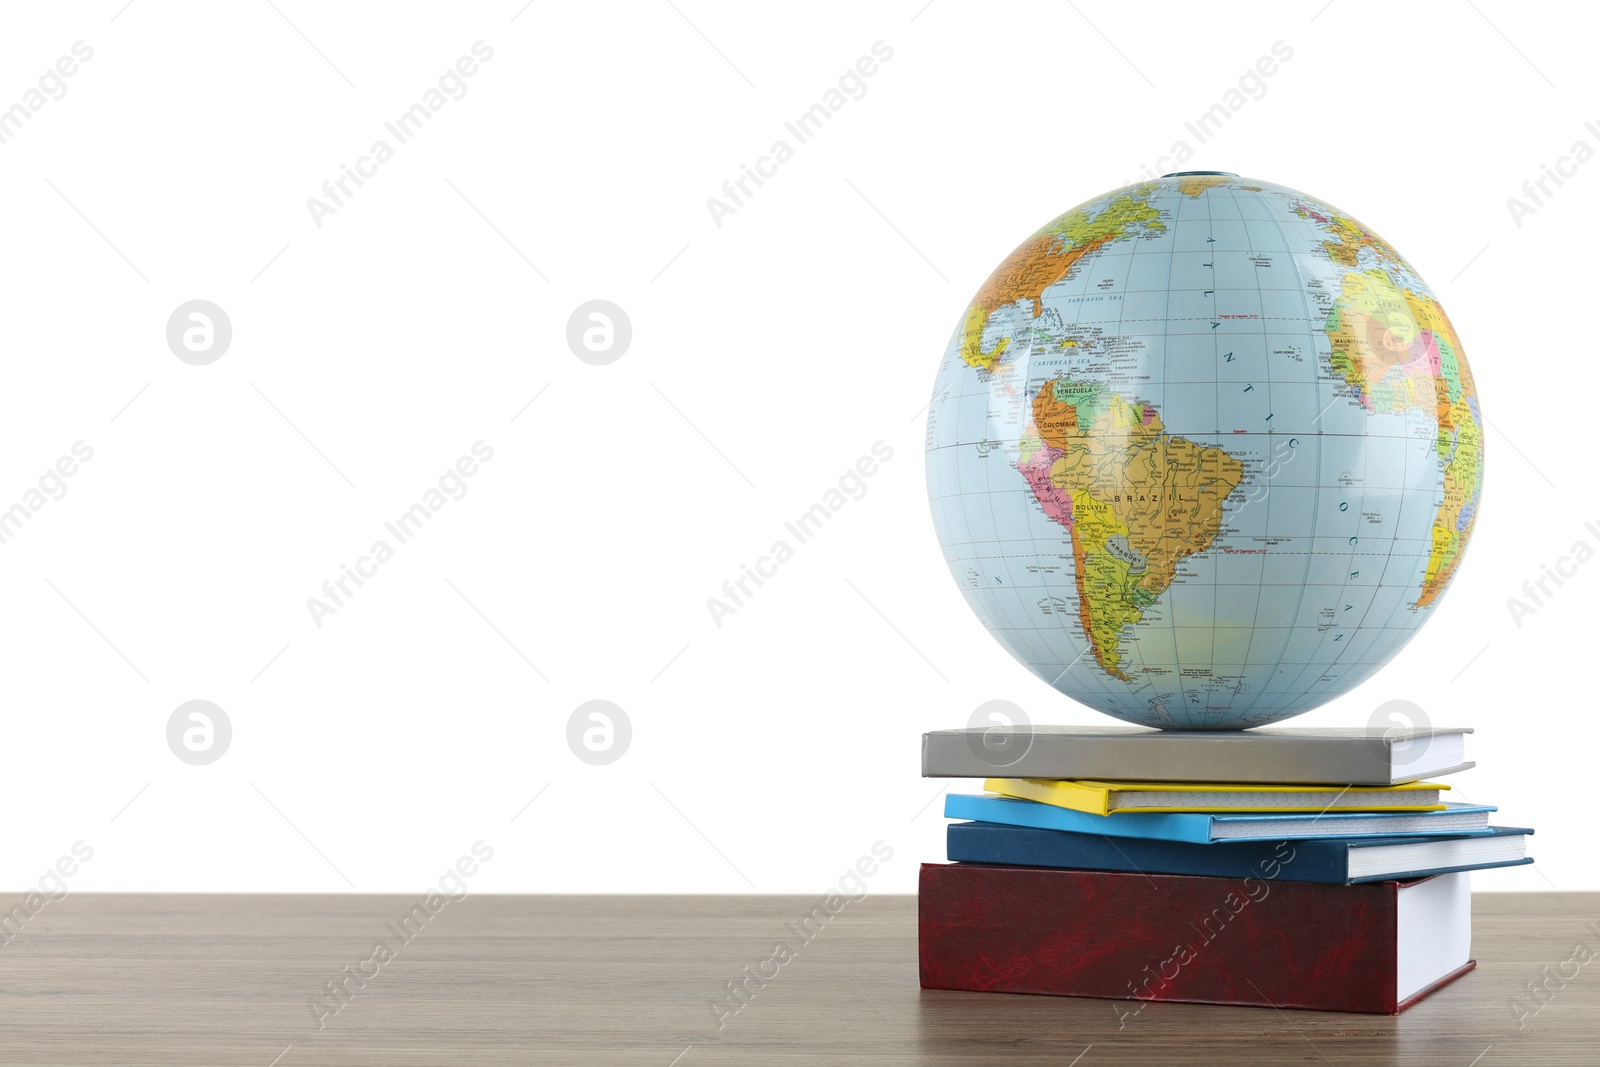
[[1377, 948]]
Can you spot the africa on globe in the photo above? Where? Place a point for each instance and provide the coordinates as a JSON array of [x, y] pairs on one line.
[[1204, 452]]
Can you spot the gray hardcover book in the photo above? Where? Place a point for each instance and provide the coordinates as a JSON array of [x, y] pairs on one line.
[[1357, 756]]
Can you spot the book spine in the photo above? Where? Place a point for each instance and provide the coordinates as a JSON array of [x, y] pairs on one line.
[[1090, 800], [1144, 937]]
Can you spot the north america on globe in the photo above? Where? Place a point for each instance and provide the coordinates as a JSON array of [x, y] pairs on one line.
[[1204, 452]]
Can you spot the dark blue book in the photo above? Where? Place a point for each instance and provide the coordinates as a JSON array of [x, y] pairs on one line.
[[1331, 860]]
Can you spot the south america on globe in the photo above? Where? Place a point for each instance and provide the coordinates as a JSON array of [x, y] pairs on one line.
[[1204, 452]]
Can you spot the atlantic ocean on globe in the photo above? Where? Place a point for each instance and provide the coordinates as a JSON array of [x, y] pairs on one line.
[[1204, 452]]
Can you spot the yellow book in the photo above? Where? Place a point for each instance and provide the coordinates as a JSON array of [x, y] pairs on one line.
[[1108, 798]]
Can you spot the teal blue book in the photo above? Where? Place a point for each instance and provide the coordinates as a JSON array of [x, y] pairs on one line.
[[1203, 829]]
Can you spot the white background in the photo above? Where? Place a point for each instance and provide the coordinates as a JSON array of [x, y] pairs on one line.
[[768, 354]]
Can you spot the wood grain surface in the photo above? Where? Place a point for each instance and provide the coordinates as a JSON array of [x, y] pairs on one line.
[[491, 980]]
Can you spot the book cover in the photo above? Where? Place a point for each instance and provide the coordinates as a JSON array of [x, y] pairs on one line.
[[1205, 828], [1107, 798], [1298, 755], [1326, 860], [1161, 937]]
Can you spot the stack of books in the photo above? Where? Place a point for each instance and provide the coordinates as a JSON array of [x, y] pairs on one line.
[[1285, 868]]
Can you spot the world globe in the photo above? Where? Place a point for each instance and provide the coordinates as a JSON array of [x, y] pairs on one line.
[[1204, 452]]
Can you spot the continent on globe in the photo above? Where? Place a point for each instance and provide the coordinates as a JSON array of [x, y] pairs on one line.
[[1043, 260], [1398, 352], [1136, 500], [1204, 453], [1350, 238]]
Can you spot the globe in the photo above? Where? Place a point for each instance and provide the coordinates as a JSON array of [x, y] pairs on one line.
[[1204, 452]]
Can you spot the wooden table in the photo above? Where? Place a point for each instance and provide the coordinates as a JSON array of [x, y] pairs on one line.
[[488, 980]]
